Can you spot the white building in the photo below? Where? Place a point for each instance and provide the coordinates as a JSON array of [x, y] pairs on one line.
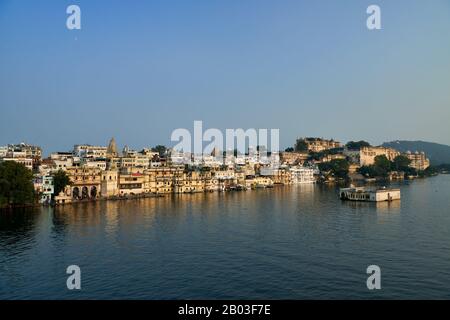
[[47, 190], [28, 163], [64, 160], [302, 175], [369, 194], [3, 151], [88, 151], [94, 163]]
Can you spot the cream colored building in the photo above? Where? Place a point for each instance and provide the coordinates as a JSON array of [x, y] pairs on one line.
[[331, 157], [293, 158], [367, 154], [27, 162], [85, 182], [279, 175], [110, 183], [131, 183], [162, 179], [258, 182], [88, 151], [302, 175], [419, 161], [319, 144]]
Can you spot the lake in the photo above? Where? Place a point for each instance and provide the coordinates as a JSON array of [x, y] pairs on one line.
[[292, 242]]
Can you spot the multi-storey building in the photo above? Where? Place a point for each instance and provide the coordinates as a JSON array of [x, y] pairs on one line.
[[88, 151], [3, 151], [293, 158], [319, 144], [27, 162], [162, 179], [278, 175], [131, 183], [64, 160], [47, 190], [419, 161], [367, 154], [110, 183], [30, 151], [85, 182], [331, 157], [302, 175]]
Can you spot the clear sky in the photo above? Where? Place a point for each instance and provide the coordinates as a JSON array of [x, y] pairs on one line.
[[139, 69]]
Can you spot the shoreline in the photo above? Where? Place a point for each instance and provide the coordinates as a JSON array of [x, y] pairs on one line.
[[153, 195]]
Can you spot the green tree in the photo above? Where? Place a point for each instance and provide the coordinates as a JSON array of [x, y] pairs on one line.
[[16, 184], [368, 171], [160, 149], [356, 145], [338, 167], [60, 181], [382, 165], [401, 163], [301, 145], [290, 149]]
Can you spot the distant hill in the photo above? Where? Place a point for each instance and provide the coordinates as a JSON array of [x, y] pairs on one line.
[[437, 153]]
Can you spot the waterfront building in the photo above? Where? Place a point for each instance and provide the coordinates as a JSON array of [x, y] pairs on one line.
[[278, 175], [47, 189], [110, 183], [223, 179], [254, 182], [369, 194], [85, 182], [131, 183], [301, 175], [162, 179], [367, 154], [194, 181], [419, 161], [62, 198]]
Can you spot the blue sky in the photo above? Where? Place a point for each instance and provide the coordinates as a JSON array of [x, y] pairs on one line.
[[137, 70]]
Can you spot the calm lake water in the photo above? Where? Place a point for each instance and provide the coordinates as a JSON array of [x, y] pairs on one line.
[[298, 242]]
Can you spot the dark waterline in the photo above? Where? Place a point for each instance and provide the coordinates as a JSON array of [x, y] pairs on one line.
[[298, 242]]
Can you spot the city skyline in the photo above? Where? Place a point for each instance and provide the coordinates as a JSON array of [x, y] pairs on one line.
[[139, 72]]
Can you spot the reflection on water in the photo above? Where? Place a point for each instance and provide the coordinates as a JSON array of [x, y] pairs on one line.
[[283, 243]]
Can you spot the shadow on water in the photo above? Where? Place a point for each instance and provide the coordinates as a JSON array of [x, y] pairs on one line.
[[17, 228]]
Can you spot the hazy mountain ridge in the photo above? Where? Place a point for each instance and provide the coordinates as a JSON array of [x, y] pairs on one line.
[[437, 153]]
